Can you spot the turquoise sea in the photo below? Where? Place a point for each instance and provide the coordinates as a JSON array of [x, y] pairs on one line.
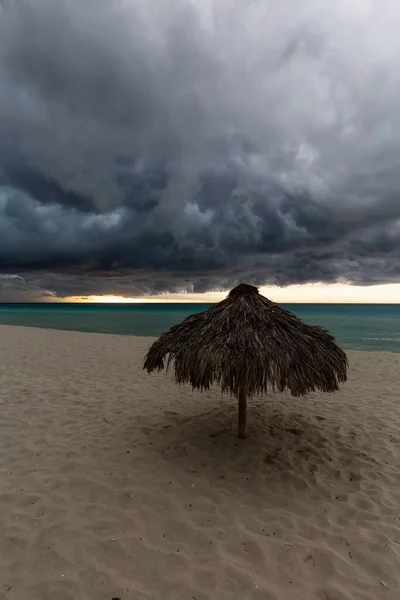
[[355, 326]]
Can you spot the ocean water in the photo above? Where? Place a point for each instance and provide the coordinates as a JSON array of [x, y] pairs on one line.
[[355, 326]]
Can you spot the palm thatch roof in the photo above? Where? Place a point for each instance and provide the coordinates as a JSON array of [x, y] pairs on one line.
[[247, 341], [249, 345]]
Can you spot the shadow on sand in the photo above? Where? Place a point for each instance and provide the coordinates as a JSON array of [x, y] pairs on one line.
[[279, 439]]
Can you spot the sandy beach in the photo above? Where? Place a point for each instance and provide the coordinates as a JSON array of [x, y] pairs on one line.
[[119, 484]]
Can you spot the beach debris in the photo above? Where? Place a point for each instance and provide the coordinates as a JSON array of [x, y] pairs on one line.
[[249, 346]]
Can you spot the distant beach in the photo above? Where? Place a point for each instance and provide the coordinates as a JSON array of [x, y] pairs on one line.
[[374, 327], [119, 484]]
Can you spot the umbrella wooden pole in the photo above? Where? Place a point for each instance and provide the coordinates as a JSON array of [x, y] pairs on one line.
[[242, 413]]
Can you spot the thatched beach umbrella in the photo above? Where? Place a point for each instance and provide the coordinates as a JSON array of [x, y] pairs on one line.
[[249, 345]]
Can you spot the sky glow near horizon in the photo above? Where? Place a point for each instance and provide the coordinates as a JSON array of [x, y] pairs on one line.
[[313, 293]]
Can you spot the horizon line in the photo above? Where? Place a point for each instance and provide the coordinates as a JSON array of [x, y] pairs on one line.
[[157, 302]]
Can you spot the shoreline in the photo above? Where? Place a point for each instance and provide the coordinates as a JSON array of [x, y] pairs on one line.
[[116, 483], [152, 338]]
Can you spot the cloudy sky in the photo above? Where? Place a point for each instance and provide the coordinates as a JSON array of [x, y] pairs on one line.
[[160, 147]]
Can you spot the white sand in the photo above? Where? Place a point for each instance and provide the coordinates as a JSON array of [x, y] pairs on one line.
[[115, 483]]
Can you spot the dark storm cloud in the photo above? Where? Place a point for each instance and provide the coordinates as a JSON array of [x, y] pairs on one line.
[[187, 145]]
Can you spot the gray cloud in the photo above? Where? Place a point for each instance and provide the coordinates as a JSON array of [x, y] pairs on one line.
[[188, 146]]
